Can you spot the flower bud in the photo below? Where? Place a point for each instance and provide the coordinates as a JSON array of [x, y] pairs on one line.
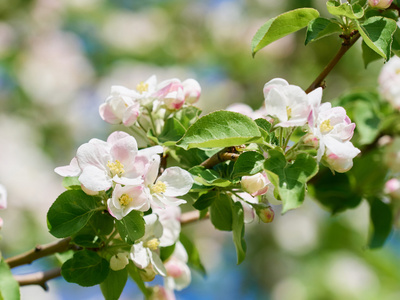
[[1, 223], [392, 187], [175, 97], [119, 261], [311, 140], [147, 274], [264, 212], [161, 293], [192, 90], [256, 184], [381, 4]]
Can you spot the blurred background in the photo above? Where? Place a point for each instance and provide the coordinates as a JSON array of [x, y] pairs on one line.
[[58, 60]]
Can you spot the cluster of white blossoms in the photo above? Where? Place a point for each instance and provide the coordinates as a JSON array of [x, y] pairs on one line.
[[126, 106]]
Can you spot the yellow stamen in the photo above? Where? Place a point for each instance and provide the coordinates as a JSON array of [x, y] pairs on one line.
[[116, 168], [124, 200], [152, 244], [325, 126], [288, 112], [158, 188], [142, 87]]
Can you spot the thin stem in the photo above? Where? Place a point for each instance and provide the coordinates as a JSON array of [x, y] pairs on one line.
[[38, 278], [346, 45], [153, 124], [287, 139]]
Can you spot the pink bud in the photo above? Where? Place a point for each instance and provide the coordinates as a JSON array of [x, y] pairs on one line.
[[266, 214], [382, 4], [175, 97], [192, 90], [311, 140], [392, 187], [256, 184]]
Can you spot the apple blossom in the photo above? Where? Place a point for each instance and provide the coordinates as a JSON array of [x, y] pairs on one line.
[[161, 293], [170, 220], [171, 93], [143, 251], [256, 184], [102, 163], [172, 183], [119, 261], [381, 4], [125, 199], [389, 81], [392, 187], [248, 210], [289, 103], [192, 90], [178, 273]]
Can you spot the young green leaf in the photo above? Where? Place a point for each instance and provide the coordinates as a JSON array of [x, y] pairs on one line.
[[354, 11], [248, 163], [114, 284], [187, 115], [70, 213], [193, 254], [238, 231], [377, 33], [381, 219], [9, 287], [131, 227], [208, 177], [86, 268], [172, 132], [221, 212], [320, 28], [71, 183], [290, 178], [368, 54], [282, 25], [206, 200], [220, 129]]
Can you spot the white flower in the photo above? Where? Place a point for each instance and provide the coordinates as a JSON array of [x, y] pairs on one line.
[[170, 221], [173, 182], [192, 90], [289, 103], [248, 210], [125, 199], [256, 184], [178, 273], [392, 187], [389, 81], [143, 252]]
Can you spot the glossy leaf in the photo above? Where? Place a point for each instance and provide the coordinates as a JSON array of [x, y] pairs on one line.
[[221, 212], [86, 268], [377, 33], [131, 227], [354, 11], [114, 284], [369, 55], [381, 219], [282, 25], [248, 163], [238, 231], [172, 132], [9, 287], [220, 129], [208, 177], [71, 183], [290, 178], [206, 200], [70, 213], [320, 28]]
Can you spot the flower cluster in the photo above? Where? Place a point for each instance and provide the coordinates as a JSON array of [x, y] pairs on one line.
[[127, 106]]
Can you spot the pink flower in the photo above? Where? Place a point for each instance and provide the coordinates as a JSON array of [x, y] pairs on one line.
[[192, 90], [392, 187], [178, 273], [256, 184], [172, 94], [381, 4]]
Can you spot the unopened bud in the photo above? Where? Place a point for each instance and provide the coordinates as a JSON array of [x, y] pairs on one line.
[[119, 261], [264, 212], [147, 274], [381, 4], [256, 184], [392, 187], [192, 90], [311, 140]]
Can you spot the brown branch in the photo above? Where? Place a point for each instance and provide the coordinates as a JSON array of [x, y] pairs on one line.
[[191, 216], [39, 252], [39, 278], [346, 45], [219, 157]]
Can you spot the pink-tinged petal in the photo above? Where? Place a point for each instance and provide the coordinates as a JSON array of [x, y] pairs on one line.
[[131, 114], [95, 153], [128, 181], [139, 201], [244, 109], [314, 97], [124, 150], [71, 170], [392, 186], [192, 90], [151, 151], [3, 197], [178, 181], [341, 149], [95, 179], [113, 210], [116, 136], [1, 223], [157, 263], [347, 132], [139, 255], [276, 82], [107, 114], [169, 201], [118, 90]]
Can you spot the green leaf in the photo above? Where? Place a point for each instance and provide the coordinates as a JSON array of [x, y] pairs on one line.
[[354, 11], [86, 268], [71, 183], [381, 219], [368, 54], [320, 28], [265, 128], [131, 227], [291, 178], [206, 200], [396, 42], [166, 252], [221, 212], [134, 273], [220, 129], [187, 115], [208, 177], [238, 231], [70, 213], [248, 163], [9, 287], [334, 191], [193, 254], [172, 132], [114, 284], [282, 25], [367, 122], [377, 33]]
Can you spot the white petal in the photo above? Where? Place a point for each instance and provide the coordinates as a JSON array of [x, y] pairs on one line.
[[95, 179], [157, 263], [3, 197], [178, 181], [139, 255], [95, 153], [71, 170], [276, 82]]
